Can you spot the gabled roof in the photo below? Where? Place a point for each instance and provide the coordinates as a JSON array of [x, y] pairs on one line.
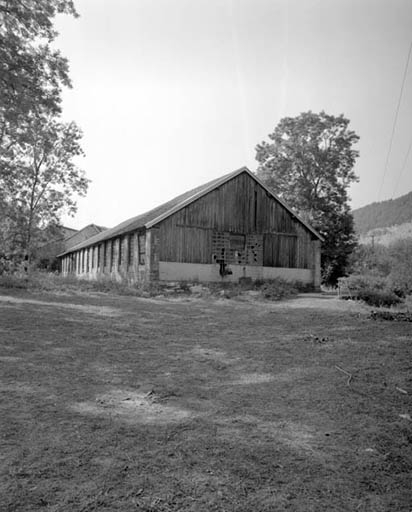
[[67, 232], [98, 229], [156, 215], [82, 235]]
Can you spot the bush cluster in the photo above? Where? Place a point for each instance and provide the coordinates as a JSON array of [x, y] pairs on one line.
[[379, 298], [381, 276], [373, 289]]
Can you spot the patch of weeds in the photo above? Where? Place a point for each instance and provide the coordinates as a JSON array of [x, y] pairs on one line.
[[268, 289], [13, 281], [42, 281], [397, 316], [185, 287], [106, 285], [276, 289]]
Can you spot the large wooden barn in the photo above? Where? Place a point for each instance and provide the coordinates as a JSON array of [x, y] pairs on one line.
[[229, 228]]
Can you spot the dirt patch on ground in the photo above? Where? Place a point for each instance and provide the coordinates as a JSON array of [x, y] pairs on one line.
[[322, 302], [289, 375], [292, 434], [252, 378], [132, 407]]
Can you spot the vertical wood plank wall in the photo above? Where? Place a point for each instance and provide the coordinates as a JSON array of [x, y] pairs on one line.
[[239, 207]]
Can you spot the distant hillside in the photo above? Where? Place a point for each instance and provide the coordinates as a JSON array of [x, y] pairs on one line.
[[384, 214]]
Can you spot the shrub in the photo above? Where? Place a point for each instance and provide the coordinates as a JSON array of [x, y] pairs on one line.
[[379, 298], [356, 283]]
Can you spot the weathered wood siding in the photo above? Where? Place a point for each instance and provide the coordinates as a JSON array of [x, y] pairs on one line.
[[239, 223]]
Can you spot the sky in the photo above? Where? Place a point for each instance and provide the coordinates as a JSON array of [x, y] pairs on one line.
[[173, 93]]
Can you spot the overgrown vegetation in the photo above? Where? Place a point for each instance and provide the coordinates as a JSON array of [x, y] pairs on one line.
[[40, 281], [381, 276], [372, 289], [35, 280]]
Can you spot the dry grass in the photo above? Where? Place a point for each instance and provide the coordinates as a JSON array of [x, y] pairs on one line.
[[121, 403]]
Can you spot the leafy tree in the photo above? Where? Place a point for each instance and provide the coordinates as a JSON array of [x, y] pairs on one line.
[[38, 177], [44, 178], [32, 72], [309, 162]]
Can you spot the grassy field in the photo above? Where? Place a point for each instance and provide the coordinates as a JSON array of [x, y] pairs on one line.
[[128, 404]]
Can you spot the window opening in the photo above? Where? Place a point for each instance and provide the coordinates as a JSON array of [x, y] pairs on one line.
[[142, 249]]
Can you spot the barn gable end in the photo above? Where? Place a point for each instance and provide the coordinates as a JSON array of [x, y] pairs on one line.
[[230, 228]]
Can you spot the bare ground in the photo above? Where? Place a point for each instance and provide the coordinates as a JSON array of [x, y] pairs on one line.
[[111, 403]]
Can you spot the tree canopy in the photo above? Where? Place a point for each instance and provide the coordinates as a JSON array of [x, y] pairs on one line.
[[308, 161], [44, 177], [32, 71], [38, 177]]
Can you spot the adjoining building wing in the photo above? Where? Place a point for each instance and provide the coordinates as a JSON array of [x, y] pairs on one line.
[[47, 253], [82, 235], [228, 228]]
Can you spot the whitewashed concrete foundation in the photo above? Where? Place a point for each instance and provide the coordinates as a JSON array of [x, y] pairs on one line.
[[172, 271]]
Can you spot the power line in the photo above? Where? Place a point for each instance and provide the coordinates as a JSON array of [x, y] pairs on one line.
[[395, 120], [402, 168]]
